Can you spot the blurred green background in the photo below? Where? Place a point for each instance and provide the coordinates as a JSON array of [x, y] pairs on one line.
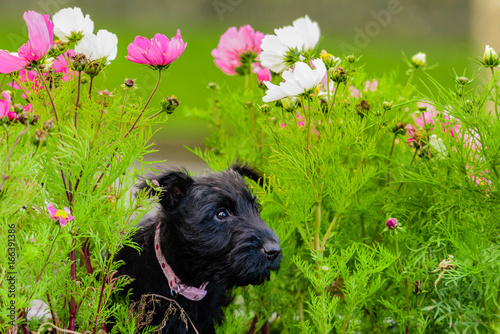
[[379, 30]]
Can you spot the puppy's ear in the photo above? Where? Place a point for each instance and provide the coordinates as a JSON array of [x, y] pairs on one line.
[[246, 171], [171, 187]]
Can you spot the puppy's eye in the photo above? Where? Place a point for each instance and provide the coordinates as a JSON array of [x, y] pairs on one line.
[[222, 214]]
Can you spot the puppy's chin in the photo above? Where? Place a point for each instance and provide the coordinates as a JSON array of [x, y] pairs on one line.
[[257, 279]]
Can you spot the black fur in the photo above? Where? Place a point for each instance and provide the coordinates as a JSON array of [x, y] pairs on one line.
[[201, 247]]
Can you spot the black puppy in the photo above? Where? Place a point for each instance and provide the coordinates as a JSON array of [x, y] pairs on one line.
[[207, 238]]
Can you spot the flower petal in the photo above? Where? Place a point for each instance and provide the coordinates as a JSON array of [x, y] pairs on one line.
[[10, 63]]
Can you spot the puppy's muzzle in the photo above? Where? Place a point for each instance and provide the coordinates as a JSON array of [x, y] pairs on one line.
[[271, 249]]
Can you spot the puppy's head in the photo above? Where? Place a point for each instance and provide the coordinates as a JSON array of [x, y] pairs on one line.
[[214, 221]]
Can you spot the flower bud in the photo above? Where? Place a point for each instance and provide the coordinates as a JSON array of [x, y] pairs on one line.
[[351, 58], [79, 62], [469, 106], [23, 118], [105, 93], [94, 68], [213, 85], [364, 105], [265, 108], [329, 60], [417, 287], [387, 105], [288, 104], [463, 81], [338, 74], [129, 83], [35, 119], [419, 60], [169, 104], [363, 108], [47, 125], [18, 108], [490, 57], [40, 136], [392, 223]]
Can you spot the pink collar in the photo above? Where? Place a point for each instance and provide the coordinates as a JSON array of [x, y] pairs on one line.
[[176, 286]]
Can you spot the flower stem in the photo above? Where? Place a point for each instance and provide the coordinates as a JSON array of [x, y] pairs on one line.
[[46, 260], [405, 282], [308, 117], [363, 232], [68, 194], [389, 159], [332, 224], [412, 159], [86, 256], [90, 86], [496, 92], [104, 278], [78, 97], [334, 97], [317, 225], [145, 106], [12, 149], [42, 79], [123, 109], [72, 304], [410, 79]]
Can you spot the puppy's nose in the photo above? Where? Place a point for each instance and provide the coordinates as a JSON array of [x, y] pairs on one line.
[[271, 249]]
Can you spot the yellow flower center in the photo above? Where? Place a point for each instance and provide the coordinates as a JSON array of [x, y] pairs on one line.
[[61, 213], [326, 55]]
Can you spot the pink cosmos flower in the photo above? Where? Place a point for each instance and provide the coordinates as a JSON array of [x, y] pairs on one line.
[[391, 223], [413, 137], [62, 216], [159, 52], [61, 65], [19, 109], [427, 118], [481, 179], [5, 104], [301, 123], [264, 74], [371, 86], [235, 45], [41, 34], [355, 92], [31, 83]]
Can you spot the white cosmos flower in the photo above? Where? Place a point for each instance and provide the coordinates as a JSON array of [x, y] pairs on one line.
[[102, 45], [438, 145], [70, 22], [296, 81], [302, 36]]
